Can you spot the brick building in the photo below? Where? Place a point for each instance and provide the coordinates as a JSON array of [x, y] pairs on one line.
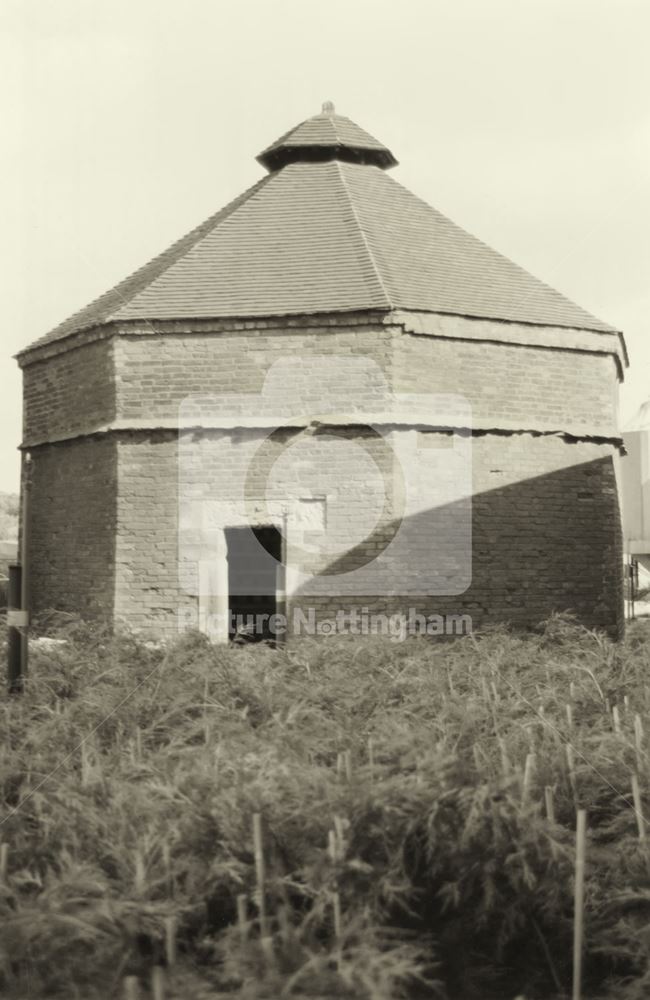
[[330, 373]]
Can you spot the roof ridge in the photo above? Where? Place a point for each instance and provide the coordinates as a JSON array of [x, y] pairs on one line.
[[436, 211], [364, 237], [125, 294]]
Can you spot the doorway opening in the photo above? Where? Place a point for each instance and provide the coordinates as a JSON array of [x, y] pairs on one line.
[[254, 563]]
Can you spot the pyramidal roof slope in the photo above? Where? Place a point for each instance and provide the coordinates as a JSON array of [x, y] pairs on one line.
[[327, 230]]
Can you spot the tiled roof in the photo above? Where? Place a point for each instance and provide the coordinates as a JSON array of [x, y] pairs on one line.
[[332, 236]]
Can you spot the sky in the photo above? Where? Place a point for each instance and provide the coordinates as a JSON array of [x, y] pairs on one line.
[[126, 122]]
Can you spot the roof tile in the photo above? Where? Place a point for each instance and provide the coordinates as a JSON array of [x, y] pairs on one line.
[[330, 236]]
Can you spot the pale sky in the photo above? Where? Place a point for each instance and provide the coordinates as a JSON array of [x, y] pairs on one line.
[[126, 122]]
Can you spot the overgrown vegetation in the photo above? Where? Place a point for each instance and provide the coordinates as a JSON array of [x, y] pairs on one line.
[[403, 791]]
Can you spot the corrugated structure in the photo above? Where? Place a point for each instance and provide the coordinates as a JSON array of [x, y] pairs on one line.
[[327, 259], [635, 486]]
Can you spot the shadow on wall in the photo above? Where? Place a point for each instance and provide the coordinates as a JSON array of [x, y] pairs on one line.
[[550, 543]]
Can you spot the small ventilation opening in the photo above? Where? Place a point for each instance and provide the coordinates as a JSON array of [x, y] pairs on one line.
[[254, 557]]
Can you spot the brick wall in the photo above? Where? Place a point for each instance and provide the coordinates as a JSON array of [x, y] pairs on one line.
[[531, 387], [69, 393], [72, 527], [543, 523], [506, 384], [106, 516], [155, 374]]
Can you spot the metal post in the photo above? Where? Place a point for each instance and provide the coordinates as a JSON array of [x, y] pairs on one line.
[[24, 559], [15, 618]]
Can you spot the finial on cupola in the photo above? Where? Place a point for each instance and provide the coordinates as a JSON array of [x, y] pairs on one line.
[[328, 108]]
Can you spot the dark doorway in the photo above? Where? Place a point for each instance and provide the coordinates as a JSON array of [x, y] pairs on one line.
[[254, 555]]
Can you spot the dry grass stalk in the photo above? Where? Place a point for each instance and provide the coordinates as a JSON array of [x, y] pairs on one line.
[[569, 715], [347, 756], [578, 913], [638, 807], [158, 984], [371, 759]]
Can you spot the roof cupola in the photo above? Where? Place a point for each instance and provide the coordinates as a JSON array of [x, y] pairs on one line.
[[327, 136]]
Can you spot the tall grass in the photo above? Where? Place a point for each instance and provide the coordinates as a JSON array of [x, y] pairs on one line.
[[403, 793]]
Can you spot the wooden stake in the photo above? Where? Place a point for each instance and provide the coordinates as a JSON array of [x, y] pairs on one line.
[[569, 715], [167, 862], [139, 877], [638, 740], [267, 947], [336, 904], [505, 762], [578, 911], [550, 806], [616, 719], [550, 814], [371, 759], [528, 774], [170, 941], [131, 988], [340, 839], [260, 873], [331, 846], [158, 983], [572, 691], [242, 918], [572, 771], [4, 861], [347, 756], [638, 807]]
